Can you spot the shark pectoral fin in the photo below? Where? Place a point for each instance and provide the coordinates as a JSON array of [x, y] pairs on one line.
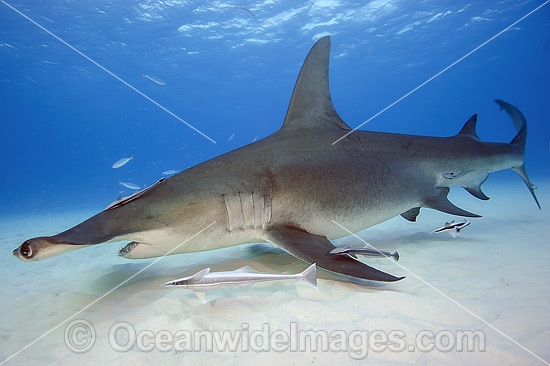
[[316, 249], [441, 203], [411, 214]]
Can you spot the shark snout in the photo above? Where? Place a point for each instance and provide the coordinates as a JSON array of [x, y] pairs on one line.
[[43, 247]]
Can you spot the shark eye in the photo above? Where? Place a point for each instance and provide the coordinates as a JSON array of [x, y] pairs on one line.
[[25, 250]]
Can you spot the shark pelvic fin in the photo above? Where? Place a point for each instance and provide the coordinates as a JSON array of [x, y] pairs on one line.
[[316, 249], [469, 128], [311, 105], [441, 203]]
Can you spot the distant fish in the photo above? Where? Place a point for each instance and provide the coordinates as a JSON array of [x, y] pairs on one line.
[[231, 137], [255, 139], [246, 276], [154, 79], [170, 172], [247, 11], [122, 162], [352, 251], [453, 228], [129, 185]]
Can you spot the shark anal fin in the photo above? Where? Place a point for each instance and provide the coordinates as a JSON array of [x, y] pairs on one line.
[[441, 203], [474, 186], [411, 214], [316, 249], [477, 192]]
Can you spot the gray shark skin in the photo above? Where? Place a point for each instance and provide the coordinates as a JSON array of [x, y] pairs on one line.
[[291, 187]]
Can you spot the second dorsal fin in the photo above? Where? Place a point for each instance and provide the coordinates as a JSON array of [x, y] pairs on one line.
[[311, 105]]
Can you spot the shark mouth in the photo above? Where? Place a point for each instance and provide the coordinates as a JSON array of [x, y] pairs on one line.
[[127, 249]]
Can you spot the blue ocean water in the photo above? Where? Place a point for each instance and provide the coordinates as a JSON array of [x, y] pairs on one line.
[[229, 67]]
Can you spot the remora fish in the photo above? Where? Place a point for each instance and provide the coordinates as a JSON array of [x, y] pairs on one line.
[[453, 228], [154, 79], [205, 280], [122, 162], [353, 251], [297, 188]]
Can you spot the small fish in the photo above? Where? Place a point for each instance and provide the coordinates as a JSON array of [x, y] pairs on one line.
[[231, 137], [352, 251], [170, 172], [122, 162], [129, 185], [246, 276], [154, 79], [453, 228]]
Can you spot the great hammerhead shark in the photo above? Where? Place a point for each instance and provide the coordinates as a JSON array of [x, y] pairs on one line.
[[297, 188]]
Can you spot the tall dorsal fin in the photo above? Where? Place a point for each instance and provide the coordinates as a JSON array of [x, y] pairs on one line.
[[311, 106], [469, 128]]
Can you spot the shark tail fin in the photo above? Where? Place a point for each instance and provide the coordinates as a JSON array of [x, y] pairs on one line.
[[309, 275], [520, 124]]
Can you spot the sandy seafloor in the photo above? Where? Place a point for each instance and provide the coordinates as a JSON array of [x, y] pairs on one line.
[[498, 269]]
